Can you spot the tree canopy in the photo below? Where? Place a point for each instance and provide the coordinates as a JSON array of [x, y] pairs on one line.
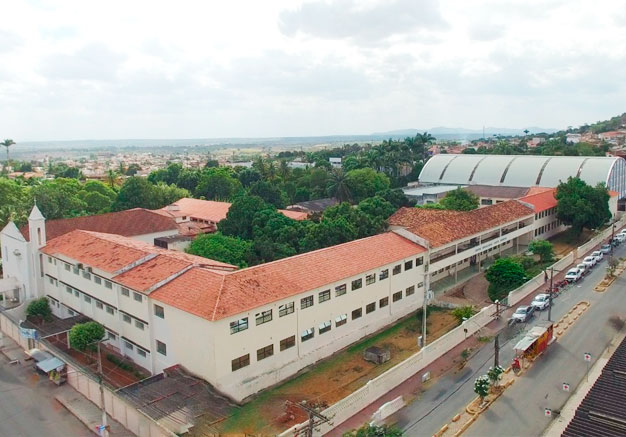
[[231, 250], [504, 275], [581, 205], [460, 200]]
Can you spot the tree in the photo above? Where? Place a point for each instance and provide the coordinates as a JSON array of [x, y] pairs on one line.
[[269, 192], [369, 430], [581, 205], [365, 182], [248, 176], [338, 186], [231, 250], [543, 248], [14, 202], [7, 143], [163, 195], [59, 198], [503, 276], [217, 184], [83, 335], [97, 196], [396, 197], [136, 192], [494, 374], [460, 200], [463, 313], [40, 308], [238, 221], [132, 169], [112, 178], [481, 386]]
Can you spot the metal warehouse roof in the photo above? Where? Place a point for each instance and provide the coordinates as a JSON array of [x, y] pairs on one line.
[[523, 170]]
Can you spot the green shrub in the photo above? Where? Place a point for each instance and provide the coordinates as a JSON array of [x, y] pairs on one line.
[[463, 313], [40, 307], [84, 335]]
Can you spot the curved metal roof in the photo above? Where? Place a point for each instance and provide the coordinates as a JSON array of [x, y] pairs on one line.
[[518, 170]]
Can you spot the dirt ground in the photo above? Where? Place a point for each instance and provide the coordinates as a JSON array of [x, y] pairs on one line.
[[563, 244], [336, 377], [472, 292]]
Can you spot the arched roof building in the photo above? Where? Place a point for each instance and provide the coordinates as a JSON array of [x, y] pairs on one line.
[[524, 170]]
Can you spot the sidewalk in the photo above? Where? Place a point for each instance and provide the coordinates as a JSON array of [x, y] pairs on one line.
[[87, 412]]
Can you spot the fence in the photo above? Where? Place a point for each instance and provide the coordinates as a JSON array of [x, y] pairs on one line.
[[385, 382], [83, 382]]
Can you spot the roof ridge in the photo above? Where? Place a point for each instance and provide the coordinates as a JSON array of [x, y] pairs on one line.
[[219, 296]]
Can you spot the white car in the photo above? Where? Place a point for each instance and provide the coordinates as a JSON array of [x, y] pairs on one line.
[[621, 237], [583, 268], [589, 261], [573, 275], [541, 301], [606, 248], [598, 255]]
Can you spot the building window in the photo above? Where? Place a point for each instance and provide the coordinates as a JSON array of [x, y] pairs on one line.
[[397, 296], [264, 352], [384, 274], [420, 285], [86, 275], [357, 313], [138, 297], [357, 283], [67, 267], [128, 345], [263, 317], [285, 309], [161, 347], [49, 260], [408, 265], [110, 310], [50, 280], [75, 270], [341, 320], [307, 334], [239, 325], [76, 294], [370, 308], [324, 296], [125, 317], [86, 298], [139, 324], [397, 269], [340, 290], [370, 279], [125, 292], [68, 289], [383, 302], [141, 352], [486, 201], [419, 261], [241, 362], [410, 290], [99, 305], [306, 302], [108, 284], [112, 336], [288, 342], [325, 327], [159, 311], [71, 313], [97, 279]]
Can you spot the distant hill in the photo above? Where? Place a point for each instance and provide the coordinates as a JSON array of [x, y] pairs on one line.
[[463, 133]]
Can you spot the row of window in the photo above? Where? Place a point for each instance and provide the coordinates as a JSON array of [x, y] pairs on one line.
[[545, 213], [324, 327], [323, 296], [548, 227]]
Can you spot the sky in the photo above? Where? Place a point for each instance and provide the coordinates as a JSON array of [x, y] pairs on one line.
[[207, 69]]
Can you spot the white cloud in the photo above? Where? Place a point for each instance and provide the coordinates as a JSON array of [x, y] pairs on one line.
[[151, 69]]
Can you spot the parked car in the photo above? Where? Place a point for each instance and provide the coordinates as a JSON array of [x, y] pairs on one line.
[[606, 248], [541, 301], [573, 275], [598, 255], [583, 268], [590, 261], [616, 242], [523, 313], [621, 237]]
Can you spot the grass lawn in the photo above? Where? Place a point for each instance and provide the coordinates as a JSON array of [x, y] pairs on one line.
[[334, 378]]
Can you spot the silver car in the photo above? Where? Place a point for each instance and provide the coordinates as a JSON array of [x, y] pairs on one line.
[[541, 301]]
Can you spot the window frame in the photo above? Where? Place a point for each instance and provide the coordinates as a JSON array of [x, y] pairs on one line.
[[326, 294], [340, 290], [263, 317], [306, 302], [158, 347], [324, 327], [357, 313], [356, 284], [396, 296], [240, 362], [156, 311], [307, 335], [370, 307], [286, 309], [239, 325], [370, 279], [397, 269], [287, 343], [265, 352], [383, 302], [341, 320], [384, 274]]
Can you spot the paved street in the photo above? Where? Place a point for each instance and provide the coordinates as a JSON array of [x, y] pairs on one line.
[[520, 411], [28, 407]]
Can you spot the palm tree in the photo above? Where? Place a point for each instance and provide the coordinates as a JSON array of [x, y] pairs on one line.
[[283, 169], [112, 178], [7, 143], [338, 186]]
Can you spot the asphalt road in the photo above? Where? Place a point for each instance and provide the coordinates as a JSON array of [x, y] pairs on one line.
[[28, 407], [520, 411]]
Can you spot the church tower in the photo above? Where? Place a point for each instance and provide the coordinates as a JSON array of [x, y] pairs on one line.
[[37, 240]]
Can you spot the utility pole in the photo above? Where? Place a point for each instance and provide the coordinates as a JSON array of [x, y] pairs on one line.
[[104, 428], [315, 418], [550, 295], [496, 346]]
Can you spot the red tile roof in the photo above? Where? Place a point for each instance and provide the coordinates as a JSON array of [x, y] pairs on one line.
[[128, 223], [214, 296], [112, 253], [211, 210], [541, 200], [442, 227]]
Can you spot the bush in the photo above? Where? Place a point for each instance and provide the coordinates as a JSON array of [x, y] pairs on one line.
[[120, 363], [368, 430], [40, 307], [83, 335], [526, 262], [494, 374], [463, 313], [481, 386], [543, 248], [504, 275]]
